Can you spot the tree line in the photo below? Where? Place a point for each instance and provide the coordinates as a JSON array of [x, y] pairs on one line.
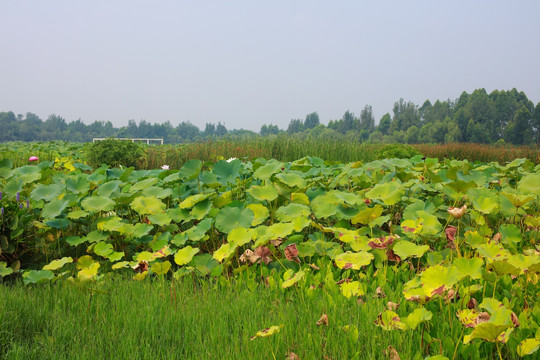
[[479, 117]]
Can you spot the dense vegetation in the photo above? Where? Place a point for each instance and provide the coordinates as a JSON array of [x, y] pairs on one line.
[[451, 246], [479, 117]]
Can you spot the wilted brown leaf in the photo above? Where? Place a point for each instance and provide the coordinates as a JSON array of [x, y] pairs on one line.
[[392, 256], [379, 293], [450, 232], [515, 319], [264, 253], [276, 242], [392, 306], [141, 267], [323, 320], [347, 280], [451, 295], [391, 353], [497, 238], [472, 304], [293, 356], [382, 242], [250, 256], [314, 267], [291, 253], [482, 318], [457, 212]]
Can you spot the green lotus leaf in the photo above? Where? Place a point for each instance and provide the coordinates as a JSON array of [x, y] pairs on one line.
[[13, 187], [368, 215], [115, 256], [230, 218], [390, 193], [510, 233], [78, 185], [54, 208], [75, 240], [530, 184], [89, 272], [161, 268], [438, 278], [224, 199], [120, 265], [262, 193], [267, 170], [201, 209], [528, 347], [108, 188], [192, 200], [227, 172], [300, 223], [389, 320], [61, 224], [350, 260], [518, 200], [157, 192], [147, 205], [77, 214], [198, 231], [174, 177], [526, 263], [274, 231], [239, 236], [46, 192], [113, 223], [290, 281], [469, 267], [143, 184], [484, 200], [161, 219], [260, 213], [292, 180], [179, 215], [97, 203], [185, 255], [289, 212], [28, 173], [103, 249], [4, 269], [485, 331], [37, 276], [190, 170], [416, 317], [405, 249], [224, 252], [58, 264], [205, 264], [96, 236], [209, 179], [5, 167], [84, 262], [457, 189], [353, 288], [492, 251]]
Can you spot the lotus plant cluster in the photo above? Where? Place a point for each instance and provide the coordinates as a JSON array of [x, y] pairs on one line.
[[458, 239]]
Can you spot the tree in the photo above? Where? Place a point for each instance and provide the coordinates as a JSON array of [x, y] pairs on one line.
[[521, 131], [312, 120], [209, 129], [405, 115], [347, 122], [295, 126], [536, 123], [411, 135], [221, 130], [384, 124], [367, 121]]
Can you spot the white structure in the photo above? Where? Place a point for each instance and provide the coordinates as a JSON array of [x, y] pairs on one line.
[[132, 140]]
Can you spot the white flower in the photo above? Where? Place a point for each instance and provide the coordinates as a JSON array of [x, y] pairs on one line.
[[231, 159], [165, 167]]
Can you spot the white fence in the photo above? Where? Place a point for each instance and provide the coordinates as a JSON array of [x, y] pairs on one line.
[[148, 141]]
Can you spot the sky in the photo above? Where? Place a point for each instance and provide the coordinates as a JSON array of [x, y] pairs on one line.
[[246, 63]]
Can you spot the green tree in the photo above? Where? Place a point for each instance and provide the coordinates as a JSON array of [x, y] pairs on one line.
[[384, 124], [367, 120], [295, 126], [221, 130], [312, 120]]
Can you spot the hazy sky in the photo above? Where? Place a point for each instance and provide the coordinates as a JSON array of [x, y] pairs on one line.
[[246, 63]]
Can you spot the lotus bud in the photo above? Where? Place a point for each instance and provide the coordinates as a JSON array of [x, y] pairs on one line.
[[457, 212], [18, 197], [165, 167], [33, 158]]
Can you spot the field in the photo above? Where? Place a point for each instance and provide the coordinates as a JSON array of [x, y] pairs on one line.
[[272, 255]]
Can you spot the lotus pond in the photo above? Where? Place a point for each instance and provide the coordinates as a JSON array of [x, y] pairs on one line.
[[445, 250]]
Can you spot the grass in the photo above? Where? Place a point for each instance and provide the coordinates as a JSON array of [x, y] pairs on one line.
[[192, 319]]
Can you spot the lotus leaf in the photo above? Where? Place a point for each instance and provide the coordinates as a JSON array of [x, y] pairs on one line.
[[239, 236], [469, 267], [290, 281], [368, 215], [230, 218], [390, 193], [54, 208], [300, 198], [97, 203], [260, 213], [350, 260], [13, 187], [198, 231], [485, 331], [266, 171], [46, 192], [262, 193], [352, 288], [161, 268], [78, 184], [492, 251], [292, 180], [405, 249], [147, 205], [205, 264], [223, 199], [95, 236], [416, 317], [115, 256], [528, 347], [389, 320], [103, 249], [37, 276], [5, 167], [192, 200], [157, 192], [530, 184], [437, 279], [77, 214], [190, 170], [108, 188], [224, 252], [227, 172], [58, 264], [4, 270], [291, 211], [161, 219], [120, 265], [185, 255], [266, 332], [179, 215]]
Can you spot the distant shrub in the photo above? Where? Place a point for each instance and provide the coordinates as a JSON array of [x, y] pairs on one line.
[[115, 153], [398, 151]]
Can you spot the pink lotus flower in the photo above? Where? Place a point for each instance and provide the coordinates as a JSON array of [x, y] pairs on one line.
[[165, 167], [33, 158]]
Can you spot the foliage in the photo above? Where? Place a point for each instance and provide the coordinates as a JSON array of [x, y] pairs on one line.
[[398, 151], [115, 153]]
